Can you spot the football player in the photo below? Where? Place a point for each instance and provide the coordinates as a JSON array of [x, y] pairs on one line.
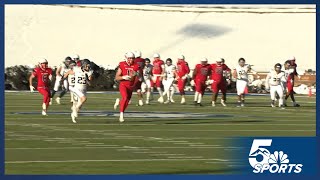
[[147, 83], [169, 78], [44, 76], [62, 69], [182, 73], [83, 76], [274, 82], [158, 73], [240, 73], [290, 72], [138, 81], [218, 82], [126, 74], [200, 76]]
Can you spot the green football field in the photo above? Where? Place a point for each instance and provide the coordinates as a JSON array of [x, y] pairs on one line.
[[154, 139]]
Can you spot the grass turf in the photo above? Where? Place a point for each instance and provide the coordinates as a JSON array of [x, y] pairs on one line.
[[151, 141]]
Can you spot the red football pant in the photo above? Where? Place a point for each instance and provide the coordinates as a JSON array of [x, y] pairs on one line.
[[216, 86], [289, 87], [45, 91], [126, 93], [158, 82], [181, 85], [200, 86]]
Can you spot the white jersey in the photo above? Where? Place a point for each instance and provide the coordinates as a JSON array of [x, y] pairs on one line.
[[64, 68], [71, 79], [276, 79], [147, 70], [242, 72], [169, 70], [81, 77], [287, 72]]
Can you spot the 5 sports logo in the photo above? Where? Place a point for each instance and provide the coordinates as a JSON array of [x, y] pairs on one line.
[[262, 161]]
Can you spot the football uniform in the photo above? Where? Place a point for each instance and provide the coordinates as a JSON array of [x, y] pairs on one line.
[[126, 87], [81, 81], [219, 82], [57, 84], [158, 67], [202, 73], [289, 75], [147, 74], [276, 82], [182, 71], [43, 77], [138, 81], [170, 75], [242, 78]]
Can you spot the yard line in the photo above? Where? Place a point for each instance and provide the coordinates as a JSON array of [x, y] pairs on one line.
[[57, 148], [178, 130], [115, 160]]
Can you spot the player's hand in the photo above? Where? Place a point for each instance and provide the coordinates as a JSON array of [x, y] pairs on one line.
[[32, 89], [126, 77], [192, 83]]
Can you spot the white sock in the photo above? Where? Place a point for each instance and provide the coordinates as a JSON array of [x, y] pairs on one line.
[[171, 94], [200, 98], [148, 95], [44, 107], [121, 114], [160, 92], [196, 95]]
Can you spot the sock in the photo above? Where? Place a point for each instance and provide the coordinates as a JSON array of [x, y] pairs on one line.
[[199, 98], [196, 95], [53, 93], [160, 91], [148, 95], [62, 93], [44, 107], [171, 94]]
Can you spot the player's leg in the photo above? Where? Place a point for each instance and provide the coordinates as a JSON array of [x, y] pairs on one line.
[[280, 93], [273, 91], [202, 87], [223, 87], [139, 93], [215, 91], [148, 89], [171, 92], [238, 86], [158, 85], [64, 90], [166, 86], [291, 93], [56, 87], [181, 86], [124, 100], [46, 99]]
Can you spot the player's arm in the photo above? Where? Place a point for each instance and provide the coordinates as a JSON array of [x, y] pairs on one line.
[[119, 76], [59, 71], [71, 72], [163, 71], [30, 81]]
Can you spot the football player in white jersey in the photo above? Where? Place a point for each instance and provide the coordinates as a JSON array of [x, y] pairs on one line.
[[71, 82], [83, 76], [241, 74], [169, 78], [147, 83], [274, 81], [62, 69]]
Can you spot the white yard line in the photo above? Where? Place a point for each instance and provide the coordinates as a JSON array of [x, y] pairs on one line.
[[114, 160]]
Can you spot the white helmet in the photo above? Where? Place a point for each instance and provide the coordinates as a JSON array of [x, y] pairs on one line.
[[204, 60], [129, 55], [219, 60], [76, 56], [156, 55], [292, 58], [137, 54], [181, 57], [42, 60]]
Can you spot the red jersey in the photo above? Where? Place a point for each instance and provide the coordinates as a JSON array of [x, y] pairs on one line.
[[294, 65], [182, 68], [217, 71], [140, 61], [127, 69], [157, 69], [202, 72], [78, 63], [42, 76]]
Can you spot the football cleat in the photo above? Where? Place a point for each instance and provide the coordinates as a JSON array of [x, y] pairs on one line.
[[223, 103], [140, 103], [183, 100], [121, 119], [213, 104], [242, 105], [116, 104], [50, 103], [73, 118], [172, 101], [166, 102], [44, 113], [58, 100], [160, 100]]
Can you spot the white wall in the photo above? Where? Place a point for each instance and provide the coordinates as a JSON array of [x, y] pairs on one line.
[[104, 35]]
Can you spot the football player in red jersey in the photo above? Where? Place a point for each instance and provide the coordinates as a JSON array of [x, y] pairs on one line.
[[158, 74], [218, 82], [290, 72], [44, 76], [182, 73], [138, 81], [200, 75], [126, 74]]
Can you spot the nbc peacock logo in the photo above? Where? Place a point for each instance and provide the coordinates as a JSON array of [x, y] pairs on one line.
[[263, 161]]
